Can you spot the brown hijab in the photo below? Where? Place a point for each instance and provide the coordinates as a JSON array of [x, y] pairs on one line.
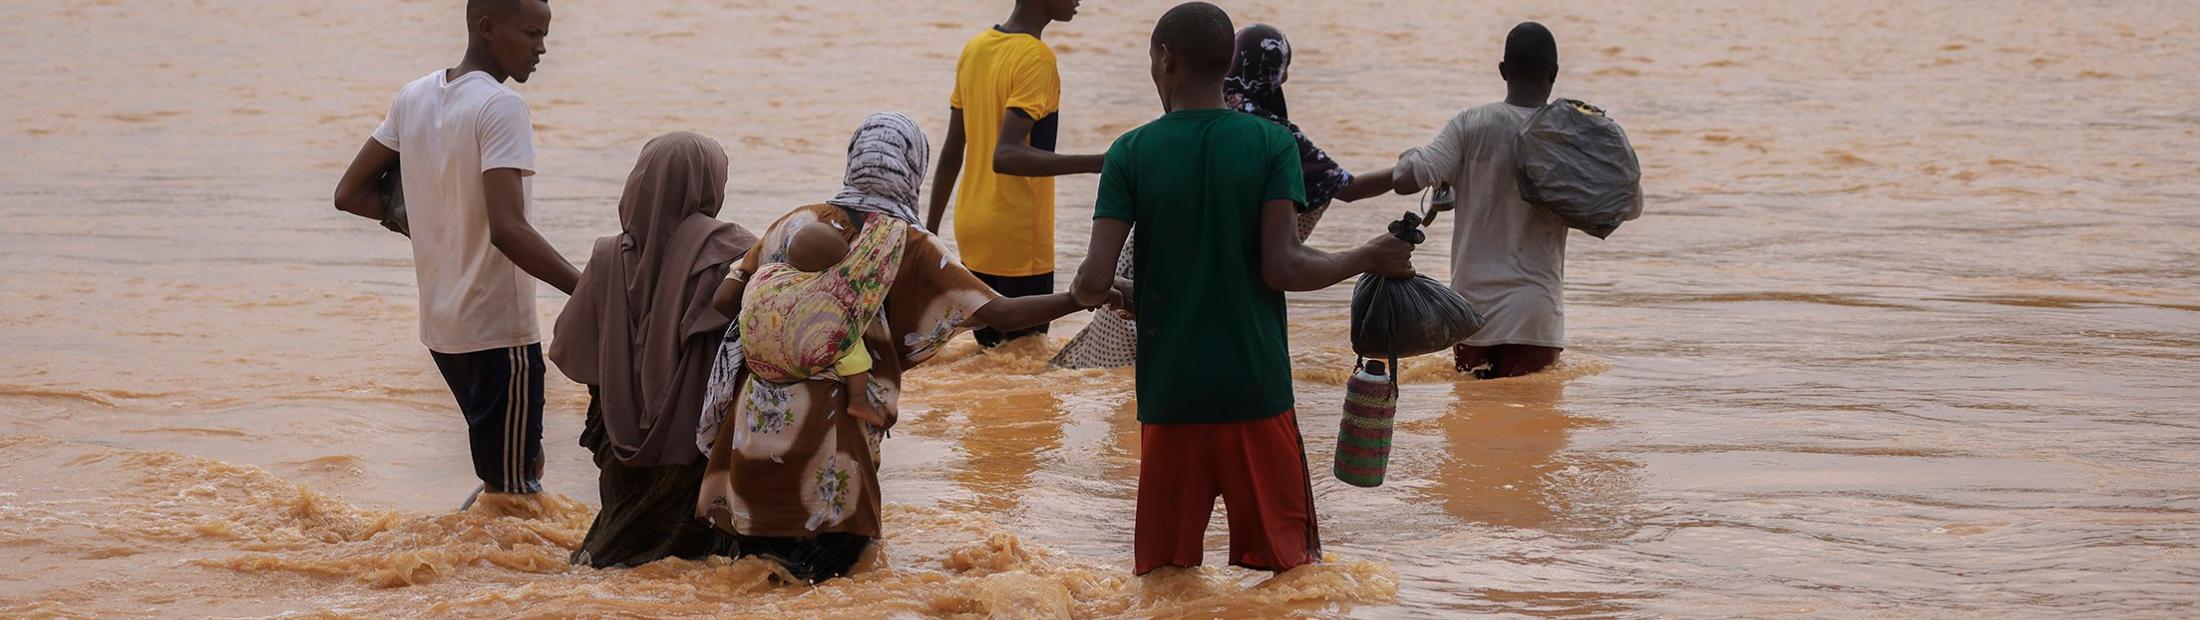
[[640, 327]]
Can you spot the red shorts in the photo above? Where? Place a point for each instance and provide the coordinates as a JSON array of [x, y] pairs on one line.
[[1259, 470]]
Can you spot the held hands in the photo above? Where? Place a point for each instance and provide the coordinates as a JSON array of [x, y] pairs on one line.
[[1120, 298], [1117, 297]]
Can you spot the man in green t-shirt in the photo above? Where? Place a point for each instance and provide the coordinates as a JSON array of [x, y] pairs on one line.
[[1213, 194]]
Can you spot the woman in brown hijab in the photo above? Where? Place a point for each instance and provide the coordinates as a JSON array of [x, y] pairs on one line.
[[641, 333]]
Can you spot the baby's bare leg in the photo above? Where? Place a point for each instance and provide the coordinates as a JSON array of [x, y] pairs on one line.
[[859, 400]]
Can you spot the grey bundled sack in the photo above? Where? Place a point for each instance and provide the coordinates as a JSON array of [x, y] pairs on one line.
[[1577, 162], [1394, 319]]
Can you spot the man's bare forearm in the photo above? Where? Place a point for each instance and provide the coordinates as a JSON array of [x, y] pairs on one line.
[[534, 255], [943, 186], [1023, 160], [1370, 185], [1310, 269]]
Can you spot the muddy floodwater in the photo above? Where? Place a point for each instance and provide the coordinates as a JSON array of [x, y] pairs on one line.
[[1911, 327]]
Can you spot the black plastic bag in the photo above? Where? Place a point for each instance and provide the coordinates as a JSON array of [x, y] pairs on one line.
[[392, 188], [1392, 319], [1577, 162]]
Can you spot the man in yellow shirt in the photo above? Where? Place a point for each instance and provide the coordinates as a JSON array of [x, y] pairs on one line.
[[1007, 110]]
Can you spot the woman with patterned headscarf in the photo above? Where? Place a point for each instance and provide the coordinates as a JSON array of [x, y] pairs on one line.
[[792, 476], [1254, 86]]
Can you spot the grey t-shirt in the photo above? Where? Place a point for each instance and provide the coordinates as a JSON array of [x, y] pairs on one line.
[[1508, 257]]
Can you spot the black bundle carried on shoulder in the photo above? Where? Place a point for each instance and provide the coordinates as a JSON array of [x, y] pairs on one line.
[[1577, 162], [1394, 319]]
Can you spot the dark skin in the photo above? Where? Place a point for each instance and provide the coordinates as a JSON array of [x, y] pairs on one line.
[[1527, 87], [504, 45], [1365, 186], [1013, 154], [1286, 265]]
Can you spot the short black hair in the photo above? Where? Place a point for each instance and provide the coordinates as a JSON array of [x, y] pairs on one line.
[[1201, 34], [1530, 47], [485, 7]]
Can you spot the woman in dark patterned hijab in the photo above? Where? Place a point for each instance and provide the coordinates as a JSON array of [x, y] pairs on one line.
[[1255, 86]]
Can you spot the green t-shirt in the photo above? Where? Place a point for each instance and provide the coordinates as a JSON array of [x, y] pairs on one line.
[[1211, 345]]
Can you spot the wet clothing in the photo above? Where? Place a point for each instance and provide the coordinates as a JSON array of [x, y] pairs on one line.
[[1508, 257], [640, 326], [1109, 341], [797, 466], [1014, 286], [500, 393], [448, 132], [1211, 343], [1503, 361], [1259, 470], [1005, 224], [641, 333], [1254, 86], [811, 559], [648, 512]]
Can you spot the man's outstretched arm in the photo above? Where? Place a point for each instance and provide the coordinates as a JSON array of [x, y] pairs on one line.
[[1013, 155], [1289, 266]]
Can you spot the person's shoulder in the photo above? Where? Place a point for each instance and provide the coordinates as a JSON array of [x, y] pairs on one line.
[[420, 85], [498, 98], [502, 91], [1131, 137], [1495, 112], [978, 42], [1268, 132], [1017, 48], [1267, 128], [1038, 49]]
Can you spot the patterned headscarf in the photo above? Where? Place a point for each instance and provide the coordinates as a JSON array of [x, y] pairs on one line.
[[1255, 86], [886, 162]]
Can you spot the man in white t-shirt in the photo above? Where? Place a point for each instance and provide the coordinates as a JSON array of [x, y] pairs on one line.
[[467, 146], [1508, 256]]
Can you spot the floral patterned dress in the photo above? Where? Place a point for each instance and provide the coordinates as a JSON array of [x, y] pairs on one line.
[[798, 465]]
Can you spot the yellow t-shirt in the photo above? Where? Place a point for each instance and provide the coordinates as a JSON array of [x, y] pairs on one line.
[[1004, 225]]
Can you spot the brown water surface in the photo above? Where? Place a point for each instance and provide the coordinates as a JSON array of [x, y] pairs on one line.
[[1911, 327]]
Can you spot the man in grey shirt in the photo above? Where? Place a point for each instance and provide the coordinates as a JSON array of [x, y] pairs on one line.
[[1508, 257]]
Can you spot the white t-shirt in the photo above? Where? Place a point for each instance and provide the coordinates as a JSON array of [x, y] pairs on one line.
[[448, 132], [1508, 257]]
